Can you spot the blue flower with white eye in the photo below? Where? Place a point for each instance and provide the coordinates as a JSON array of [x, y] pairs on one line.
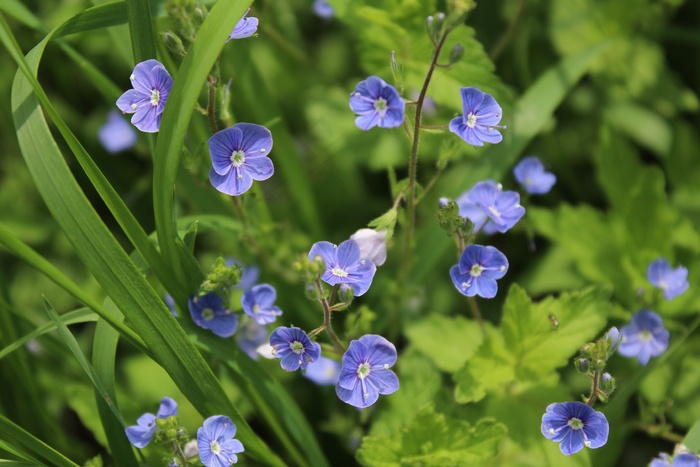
[[344, 266], [365, 372], [116, 134], [145, 429], [152, 84], [503, 207], [239, 156], [644, 337], [215, 442], [672, 281], [294, 347], [245, 27], [574, 425], [479, 120], [377, 103], [258, 303], [477, 271], [208, 312], [531, 175], [469, 208]]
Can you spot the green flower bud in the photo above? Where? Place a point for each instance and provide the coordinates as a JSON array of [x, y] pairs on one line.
[[456, 54], [174, 44], [607, 383], [582, 365], [200, 14]]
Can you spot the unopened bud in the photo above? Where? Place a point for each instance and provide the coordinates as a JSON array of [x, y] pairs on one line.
[[174, 44], [434, 25], [200, 14], [456, 54], [581, 365], [607, 383]]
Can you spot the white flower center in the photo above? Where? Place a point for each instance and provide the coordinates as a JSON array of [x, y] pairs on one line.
[[237, 158], [575, 423], [339, 272], [297, 347], [645, 336], [495, 212], [471, 120], [380, 106], [155, 97], [215, 448], [476, 270], [208, 314], [256, 309], [363, 370]]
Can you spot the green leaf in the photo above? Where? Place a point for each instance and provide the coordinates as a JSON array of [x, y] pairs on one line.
[[141, 29], [692, 439], [448, 341], [23, 441], [433, 439]]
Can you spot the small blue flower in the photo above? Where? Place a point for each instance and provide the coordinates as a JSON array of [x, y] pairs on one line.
[[116, 134], [469, 209], [377, 103], [208, 312], [503, 207], [614, 338], [644, 337], [152, 84], [324, 371], [245, 27], [239, 156], [685, 459], [217, 448], [477, 271], [323, 9], [574, 425], [258, 303], [672, 281], [250, 336], [294, 347], [249, 274], [344, 266], [365, 373], [143, 432], [531, 175], [479, 120]]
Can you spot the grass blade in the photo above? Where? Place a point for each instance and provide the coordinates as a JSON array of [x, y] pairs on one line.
[[16, 436]]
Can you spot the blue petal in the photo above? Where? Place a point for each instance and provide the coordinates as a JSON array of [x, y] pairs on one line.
[[326, 250], [235, 183], [459, 127], [168, 408], [384, 381], [657, 270], [355, 397], [462, 282], [259, 168], [484, 287], [379, 350], [222, 325], [256, 139], [471, 99], [130, 97], [221, 146], [143, 76], [368, 121]]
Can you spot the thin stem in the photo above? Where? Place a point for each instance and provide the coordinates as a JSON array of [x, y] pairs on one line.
[[430, 184], [510, 32], [434, 127], [211, 81], [594, 390], [327, 312], [477, 315], [333, 291], [242, 216], [178, 452], [408, 130]]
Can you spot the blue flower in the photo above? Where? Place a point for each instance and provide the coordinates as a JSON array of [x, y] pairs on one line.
[[245, 27], [574, 425], [469, 208], [217, 448], [614, 337], [152, 83], [531, 175], [685, 459], [672, 281], [250, 336], [377, 103], [324, 371], [479, 120], [249, 274], [116, 134], [323, 9], [258, 303], [143, 432], [503, 207], [344, 266], [239, 156], [365, 373], [644, 337], [477, 271], [208, 312], [294, 347]]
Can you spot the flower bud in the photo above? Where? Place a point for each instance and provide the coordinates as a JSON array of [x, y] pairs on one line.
[[191, 449], [200, 14], [372, 245], [449, 218], [174, 44], [607, 383], [582, 365], [346, 294], [312, 293], [456, 54], [613, 337], [434, 25]]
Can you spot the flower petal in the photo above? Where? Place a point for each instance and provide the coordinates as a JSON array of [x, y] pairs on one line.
[[235, 183]]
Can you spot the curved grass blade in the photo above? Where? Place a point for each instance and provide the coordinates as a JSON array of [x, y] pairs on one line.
[[141, 30], [21, 439]]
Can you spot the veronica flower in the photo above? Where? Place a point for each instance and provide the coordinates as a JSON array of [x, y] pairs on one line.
[[672, 281], [208, 312], [145, 429], [684, 459], [365, 373], [239, 156], [377, 103], [294, 347], [574, 425], [503, 207], [250, 336], [531, 175], [152, 84], [644, 337], [479, 120], [344, 266], [469, 208], [215, 442], [116, 134], [323, 9], [324, 371], [477, 271], [245, 27], [258, 303]]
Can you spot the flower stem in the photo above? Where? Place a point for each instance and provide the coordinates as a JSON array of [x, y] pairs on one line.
[[477, 315], [177, 450], [594, 390], [327, 312], [211, 84], [510, 32]]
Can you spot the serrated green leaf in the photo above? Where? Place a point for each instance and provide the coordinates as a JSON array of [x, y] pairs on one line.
[[432, 439], [448, 341]]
